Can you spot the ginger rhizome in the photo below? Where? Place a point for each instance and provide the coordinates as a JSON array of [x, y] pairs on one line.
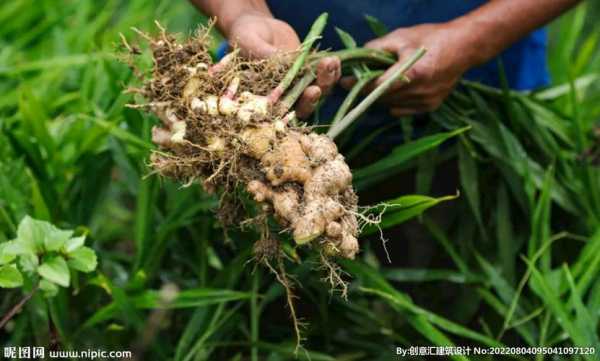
[[225, 124]]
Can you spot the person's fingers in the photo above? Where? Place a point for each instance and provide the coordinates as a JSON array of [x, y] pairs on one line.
[[387, 42], [407, 110], [308, 101], [329, 71], [253, 46], [409, 94], [348, 82], [397, 85], [416, 105]]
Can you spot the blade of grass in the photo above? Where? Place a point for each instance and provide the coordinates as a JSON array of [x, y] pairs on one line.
[[469, 180], [386, 167], [556, 306]]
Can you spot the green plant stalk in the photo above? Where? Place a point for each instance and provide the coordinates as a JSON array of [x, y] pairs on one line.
[[16, 308], [364, 54], [340, 126], [313, 35], [254, 316], [292, 96], [360, 84]]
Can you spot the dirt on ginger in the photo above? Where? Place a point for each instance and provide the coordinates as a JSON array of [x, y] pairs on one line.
[[224, 124]]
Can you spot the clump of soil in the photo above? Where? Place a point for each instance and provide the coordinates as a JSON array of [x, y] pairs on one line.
[[225, 124]]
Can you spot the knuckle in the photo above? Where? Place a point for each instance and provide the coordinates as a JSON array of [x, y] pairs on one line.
[[432, 104]]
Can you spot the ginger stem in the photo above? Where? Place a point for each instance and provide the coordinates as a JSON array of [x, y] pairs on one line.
[[290, 98], [360, 84], [379, 56], [313, 35], [340, 126]]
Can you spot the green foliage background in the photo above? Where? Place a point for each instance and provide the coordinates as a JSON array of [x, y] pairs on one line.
[[521, 257]]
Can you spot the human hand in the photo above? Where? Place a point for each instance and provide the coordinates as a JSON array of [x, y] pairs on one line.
[[433, 77], [259, 35]]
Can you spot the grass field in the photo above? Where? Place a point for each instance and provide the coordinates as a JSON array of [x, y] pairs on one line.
[[513, 261]]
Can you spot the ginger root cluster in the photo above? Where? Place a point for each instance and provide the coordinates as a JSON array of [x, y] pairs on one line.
[[221, 124]]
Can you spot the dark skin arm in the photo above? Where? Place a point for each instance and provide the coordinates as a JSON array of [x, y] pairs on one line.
[[250, 25], [453, 47], [456, 46]]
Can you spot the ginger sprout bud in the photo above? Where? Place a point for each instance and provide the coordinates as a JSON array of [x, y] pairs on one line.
[[161, 136], [262, 106], [198, 105], [228, 106], [253, 107], [289, 118], [201, 66], [279, 126], [232, 88], [212, 104], [179, 129], [191, 87], [171, 116], [191, 70]]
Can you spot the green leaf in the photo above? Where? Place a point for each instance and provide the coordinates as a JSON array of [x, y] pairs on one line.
[[10, 277], [552, 300], [583, 316], [55, 269], [146, 198], [377, 27], [563, 89], [432, 333], [74, 243], [540, 221], [14, 182], [83, 259], [346, 38], [588, 264], [30, 236], [35, 118], [123, 135], [389, 165], [151, 299], [5, 257], [469, 180], [373, 283], [29, 263], [508, 243], [428, 275], [188, 298], [54, 238], [38, 236], [18, 248], [545, 117], [509, 298], [50, 289], [403, 208]]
